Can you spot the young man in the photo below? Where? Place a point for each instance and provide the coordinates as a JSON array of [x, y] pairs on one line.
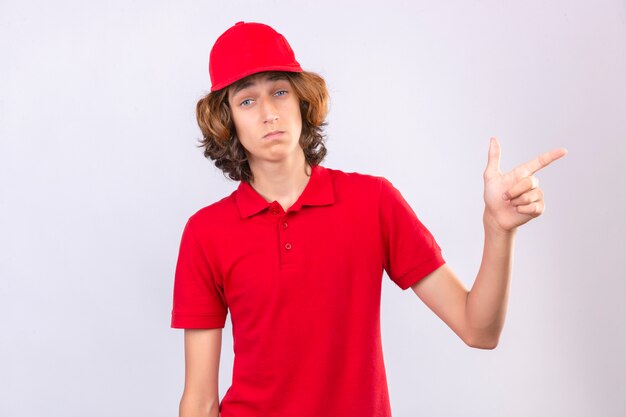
[[296, 253]]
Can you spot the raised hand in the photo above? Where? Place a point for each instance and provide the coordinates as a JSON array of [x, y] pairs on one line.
[[514, 198]]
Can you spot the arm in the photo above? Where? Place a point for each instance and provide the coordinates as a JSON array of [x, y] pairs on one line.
[[511, 200], [476, 316], [202, 356], [487, 302]]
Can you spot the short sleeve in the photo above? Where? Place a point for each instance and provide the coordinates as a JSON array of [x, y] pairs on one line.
[[410, 251], [198, 300]]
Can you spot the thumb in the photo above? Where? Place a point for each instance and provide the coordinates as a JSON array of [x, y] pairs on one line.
[[493, 161]]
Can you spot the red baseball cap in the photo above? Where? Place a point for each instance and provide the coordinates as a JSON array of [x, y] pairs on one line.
[[248, 48]]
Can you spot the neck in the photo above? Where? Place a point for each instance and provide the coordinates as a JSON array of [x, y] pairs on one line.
[[283, 181]]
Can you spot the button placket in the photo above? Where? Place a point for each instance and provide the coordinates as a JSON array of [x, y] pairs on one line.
[[288, 247]]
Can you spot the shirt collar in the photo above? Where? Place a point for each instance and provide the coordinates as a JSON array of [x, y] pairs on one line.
[[318, 192]]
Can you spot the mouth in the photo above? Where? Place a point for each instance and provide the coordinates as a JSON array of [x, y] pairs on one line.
[[273, 134]]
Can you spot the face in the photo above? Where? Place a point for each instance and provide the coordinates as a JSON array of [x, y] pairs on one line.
[[264, 104]]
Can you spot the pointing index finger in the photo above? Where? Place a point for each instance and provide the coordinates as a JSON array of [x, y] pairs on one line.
[[542, 161]]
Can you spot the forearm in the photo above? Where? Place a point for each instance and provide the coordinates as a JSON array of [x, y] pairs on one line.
[[488, 299], [198, 407]]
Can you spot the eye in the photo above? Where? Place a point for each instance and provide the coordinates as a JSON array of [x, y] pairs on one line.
[[242, 104]]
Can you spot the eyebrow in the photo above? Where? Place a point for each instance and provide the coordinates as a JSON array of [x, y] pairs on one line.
[[249, 83]]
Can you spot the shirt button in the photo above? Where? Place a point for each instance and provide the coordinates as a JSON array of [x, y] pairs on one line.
[[287, 246], [284, 225]]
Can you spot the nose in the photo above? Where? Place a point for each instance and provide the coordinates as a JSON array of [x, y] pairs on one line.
[[270, 112]]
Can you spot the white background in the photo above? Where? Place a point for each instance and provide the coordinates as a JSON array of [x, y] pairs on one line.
[[99, 172]]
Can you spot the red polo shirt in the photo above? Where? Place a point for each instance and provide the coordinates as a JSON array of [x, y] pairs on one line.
[[303, 288]]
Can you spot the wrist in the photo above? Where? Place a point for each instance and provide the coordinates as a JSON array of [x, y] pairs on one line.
[[493, 228]]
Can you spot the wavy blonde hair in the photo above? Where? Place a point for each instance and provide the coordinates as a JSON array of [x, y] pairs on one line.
[[219, 137]]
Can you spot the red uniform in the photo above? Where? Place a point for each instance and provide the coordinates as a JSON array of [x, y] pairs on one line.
[[303, 289]]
